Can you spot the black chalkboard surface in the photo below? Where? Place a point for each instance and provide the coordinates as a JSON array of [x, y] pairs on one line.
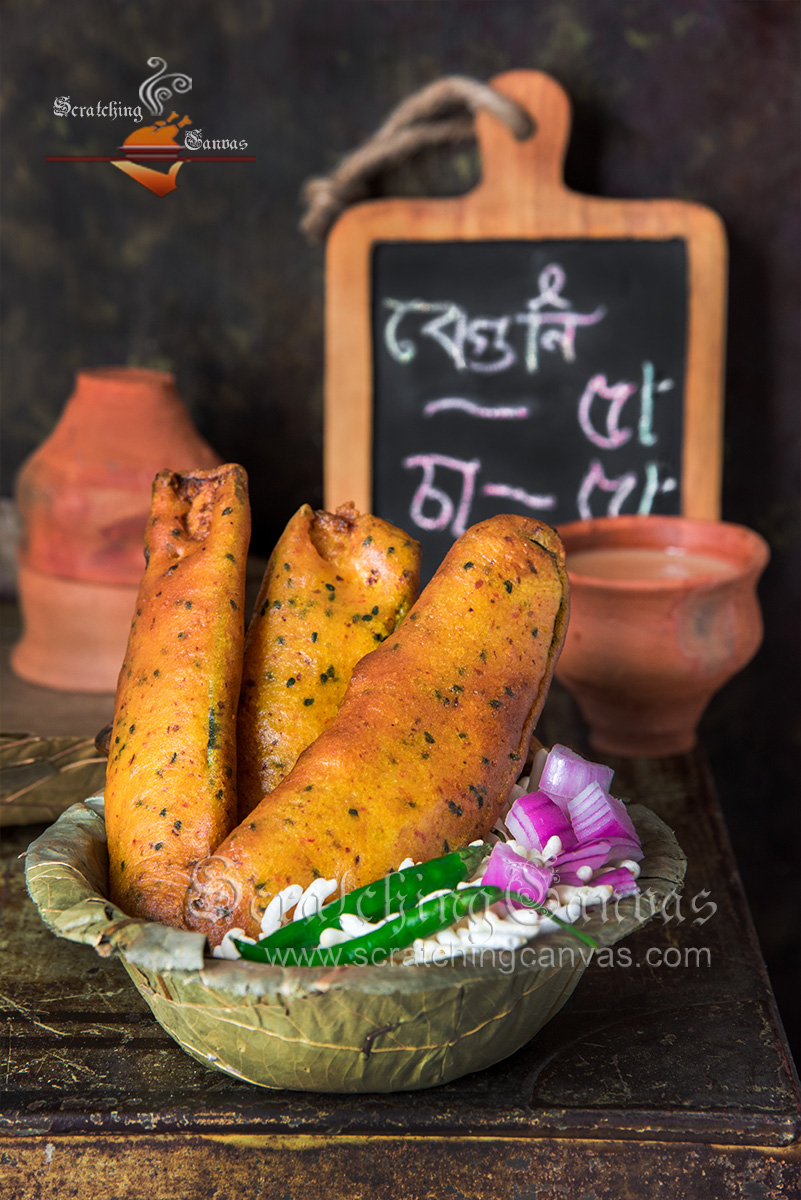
[[541, 377]]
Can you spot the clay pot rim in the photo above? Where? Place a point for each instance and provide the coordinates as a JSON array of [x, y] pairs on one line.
[[644, 531], [118, 374]]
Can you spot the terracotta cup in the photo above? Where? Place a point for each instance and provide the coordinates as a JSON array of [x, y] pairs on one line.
[[83, 498], [663, 612]]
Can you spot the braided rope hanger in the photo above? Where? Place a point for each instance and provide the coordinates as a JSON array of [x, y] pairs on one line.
[[435, 115]]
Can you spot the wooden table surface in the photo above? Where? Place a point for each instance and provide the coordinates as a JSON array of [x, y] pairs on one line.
[[667, 1077]]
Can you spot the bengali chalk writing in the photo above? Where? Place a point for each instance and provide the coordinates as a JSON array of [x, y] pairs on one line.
[[481, 344], [500, 412], [511, 377]]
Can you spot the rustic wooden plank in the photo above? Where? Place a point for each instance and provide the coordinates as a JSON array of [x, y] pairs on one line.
[[357, 1168]]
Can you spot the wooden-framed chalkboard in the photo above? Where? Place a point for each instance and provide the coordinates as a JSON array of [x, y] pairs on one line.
[[523, 348]]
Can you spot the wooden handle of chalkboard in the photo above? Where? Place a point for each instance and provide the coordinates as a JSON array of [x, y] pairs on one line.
[[528, 173]]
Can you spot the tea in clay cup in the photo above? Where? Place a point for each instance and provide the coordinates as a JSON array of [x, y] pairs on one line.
[[663, 612]]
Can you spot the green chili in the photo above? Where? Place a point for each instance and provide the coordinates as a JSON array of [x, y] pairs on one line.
[[377, 900], [420, 922]]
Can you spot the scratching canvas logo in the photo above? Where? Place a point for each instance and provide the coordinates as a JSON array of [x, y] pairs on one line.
[[149, 149]]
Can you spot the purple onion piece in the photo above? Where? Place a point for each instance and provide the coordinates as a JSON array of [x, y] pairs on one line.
[[595, 814], [570, 875], [534, 819], [626, 849], [513, 873], [622, 881], [590, 854], [566, 773]]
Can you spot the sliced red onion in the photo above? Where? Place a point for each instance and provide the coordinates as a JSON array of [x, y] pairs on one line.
[[513, 873], [566, 773], [626, 849], [598, 853], [596, 815], [534, 819], [577, 874], [622, 881], [591, 854]]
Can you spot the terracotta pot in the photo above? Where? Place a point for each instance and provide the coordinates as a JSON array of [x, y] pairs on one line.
[[84, 494], [75, 632], [84, 497], [644, 656]]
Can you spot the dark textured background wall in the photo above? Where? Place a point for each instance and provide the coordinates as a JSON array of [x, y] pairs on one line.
[[695, 99]]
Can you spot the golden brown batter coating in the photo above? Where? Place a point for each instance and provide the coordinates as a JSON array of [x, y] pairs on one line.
[[336, 585], [427, 743], [170, 781]]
